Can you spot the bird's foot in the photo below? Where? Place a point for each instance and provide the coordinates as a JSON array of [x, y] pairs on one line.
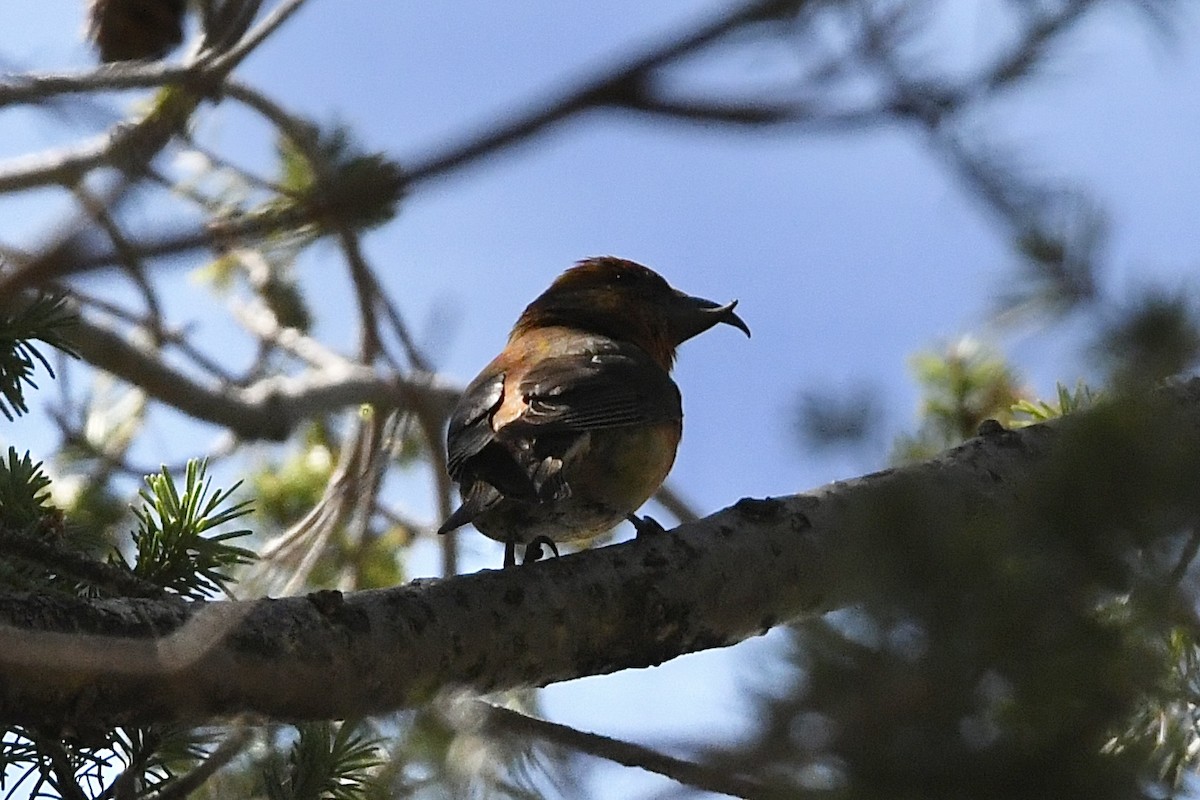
[[645, 526], [510, 554], [533, 550]]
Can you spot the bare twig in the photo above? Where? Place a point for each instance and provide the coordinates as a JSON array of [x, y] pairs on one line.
[[589, 93], [432, 422], [1186, 557], [223, 63], [233, 745], [505, 721], [123, 75], [61, 773], [167, 336], [267, 409], [132, 266], [671, 500]]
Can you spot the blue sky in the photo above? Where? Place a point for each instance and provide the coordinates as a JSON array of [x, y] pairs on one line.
[[848, 252]]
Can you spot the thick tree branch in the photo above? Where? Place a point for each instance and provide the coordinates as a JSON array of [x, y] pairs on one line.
[[56, 559], [709, 584]]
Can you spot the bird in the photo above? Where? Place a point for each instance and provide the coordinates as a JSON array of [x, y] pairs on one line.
[[576, 423]]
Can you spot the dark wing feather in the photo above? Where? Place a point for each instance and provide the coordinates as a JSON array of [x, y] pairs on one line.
[[470, 425], [566, 397], [587, 392]]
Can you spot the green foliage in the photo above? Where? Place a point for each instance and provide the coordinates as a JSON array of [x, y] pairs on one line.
[[326, 762], [282, 295], [1164, 731], [829, 418], [99, 516], [960, 388], [440, 752], [1050, 652], [1156, 336], [288, 489], [39, 547], [159, 754], [1060, 244], [1044, 651], [46, 319], [334, 184], [24, 491], [1068, 403], [122, 762], [171, 548]]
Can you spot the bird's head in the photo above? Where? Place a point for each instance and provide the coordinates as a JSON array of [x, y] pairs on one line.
[[626, 301]]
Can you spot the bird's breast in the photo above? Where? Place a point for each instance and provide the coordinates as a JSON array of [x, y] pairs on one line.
[[612, 475], [623, 467]]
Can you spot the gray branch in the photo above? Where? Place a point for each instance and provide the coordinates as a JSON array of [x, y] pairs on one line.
[[267, 409], [708, 584]]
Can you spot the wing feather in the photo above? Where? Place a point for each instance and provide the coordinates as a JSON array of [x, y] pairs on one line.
[[588, 392], [470, 428]]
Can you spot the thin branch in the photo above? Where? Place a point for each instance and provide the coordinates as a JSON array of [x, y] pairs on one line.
[[108, 77], [267, 409], [627, 87], [173, 337], [431, 422], [588, 93], [505, 721], [256, 317], [399, 328], [126, 146], [132, 266], [233, 745], [224, 63], [672, 501], [596, 92], [108, 462], [361, 278], [367, 290], [1186, 557], [219, 162], [1033, 45], [350, 495], [60, 765], [217, 234]]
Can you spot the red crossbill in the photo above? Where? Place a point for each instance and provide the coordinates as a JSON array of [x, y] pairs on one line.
[[573, 426]]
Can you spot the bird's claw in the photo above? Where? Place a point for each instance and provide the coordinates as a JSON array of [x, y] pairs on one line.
[[533, 550], [645, 526]]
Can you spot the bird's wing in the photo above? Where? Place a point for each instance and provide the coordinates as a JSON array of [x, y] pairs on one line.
[[470, 425], [592, 391]]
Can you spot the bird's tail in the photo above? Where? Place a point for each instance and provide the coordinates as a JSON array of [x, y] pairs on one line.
[[478, 499]]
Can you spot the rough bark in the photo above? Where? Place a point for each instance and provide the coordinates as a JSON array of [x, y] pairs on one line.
[[78, 663]]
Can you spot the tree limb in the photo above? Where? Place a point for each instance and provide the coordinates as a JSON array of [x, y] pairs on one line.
[[709, 584], [267, 409], [56, 558]]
